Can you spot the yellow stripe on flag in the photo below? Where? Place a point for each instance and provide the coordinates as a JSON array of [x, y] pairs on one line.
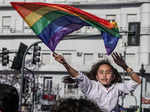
[[36, 15]]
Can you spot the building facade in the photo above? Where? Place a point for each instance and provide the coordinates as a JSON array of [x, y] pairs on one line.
[[85, 46]]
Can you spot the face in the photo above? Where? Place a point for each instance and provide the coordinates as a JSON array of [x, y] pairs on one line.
[[104, 74]]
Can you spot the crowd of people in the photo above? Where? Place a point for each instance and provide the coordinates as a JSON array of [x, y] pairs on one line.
[[102, 86], [77, 105]]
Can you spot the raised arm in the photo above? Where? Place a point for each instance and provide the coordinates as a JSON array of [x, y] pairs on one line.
[[120, 62], [61, 60], [84, 82]]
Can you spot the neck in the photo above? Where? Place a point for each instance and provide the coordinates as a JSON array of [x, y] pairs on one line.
[[107, 86]]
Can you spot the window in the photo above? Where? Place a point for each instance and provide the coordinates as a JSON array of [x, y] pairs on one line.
[[101, 55], [88, 58], [6, 21], [47, 84], [132, 17], [134, 34], [147, 85], [111, 17]]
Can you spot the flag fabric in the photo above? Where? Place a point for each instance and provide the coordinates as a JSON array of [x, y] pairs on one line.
[[51, 22], [109, 40]]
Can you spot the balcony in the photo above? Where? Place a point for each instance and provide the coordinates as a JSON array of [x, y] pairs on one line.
[[87, 30], [14, 31]]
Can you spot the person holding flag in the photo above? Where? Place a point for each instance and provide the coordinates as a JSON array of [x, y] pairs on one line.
[[52, 22], [106, 85]]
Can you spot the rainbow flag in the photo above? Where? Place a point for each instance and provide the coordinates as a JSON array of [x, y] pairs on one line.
[[51, 22]]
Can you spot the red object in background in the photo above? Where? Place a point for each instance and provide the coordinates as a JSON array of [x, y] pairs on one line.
[[45, 96], [49, 97]]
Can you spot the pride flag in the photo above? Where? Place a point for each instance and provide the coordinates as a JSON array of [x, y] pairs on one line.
[[51, 22]]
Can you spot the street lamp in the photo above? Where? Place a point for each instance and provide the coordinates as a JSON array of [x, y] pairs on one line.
[[22, 73]]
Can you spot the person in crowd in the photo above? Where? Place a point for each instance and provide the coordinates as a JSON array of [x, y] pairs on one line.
[[145, 100], [77, 105], [9, 98], [107, 86]]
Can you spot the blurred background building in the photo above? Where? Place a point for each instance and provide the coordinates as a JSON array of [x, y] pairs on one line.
[[81, 48]]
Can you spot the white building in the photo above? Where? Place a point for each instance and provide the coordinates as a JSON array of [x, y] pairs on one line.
[[87, 47]]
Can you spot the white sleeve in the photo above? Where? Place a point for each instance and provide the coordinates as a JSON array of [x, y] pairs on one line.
[[84, 83], [127, 86]]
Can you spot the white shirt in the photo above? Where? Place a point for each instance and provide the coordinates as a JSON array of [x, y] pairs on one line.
[[106, 99]]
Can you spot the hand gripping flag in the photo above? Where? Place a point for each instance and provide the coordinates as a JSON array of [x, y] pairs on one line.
[[51, 22]]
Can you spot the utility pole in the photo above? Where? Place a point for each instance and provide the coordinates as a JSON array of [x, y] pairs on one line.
[[142, 72], [22, 74]]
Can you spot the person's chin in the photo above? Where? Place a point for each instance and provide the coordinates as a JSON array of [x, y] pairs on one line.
[[105, 84]]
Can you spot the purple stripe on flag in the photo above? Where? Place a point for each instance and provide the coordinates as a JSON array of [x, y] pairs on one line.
[[110, 42], [53, 41], [58, 28]]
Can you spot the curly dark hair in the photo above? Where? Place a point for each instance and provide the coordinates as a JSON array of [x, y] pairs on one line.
[[93, 72], [77, 105]]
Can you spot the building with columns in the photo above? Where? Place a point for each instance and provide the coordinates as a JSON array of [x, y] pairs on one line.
[[85, 46]]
